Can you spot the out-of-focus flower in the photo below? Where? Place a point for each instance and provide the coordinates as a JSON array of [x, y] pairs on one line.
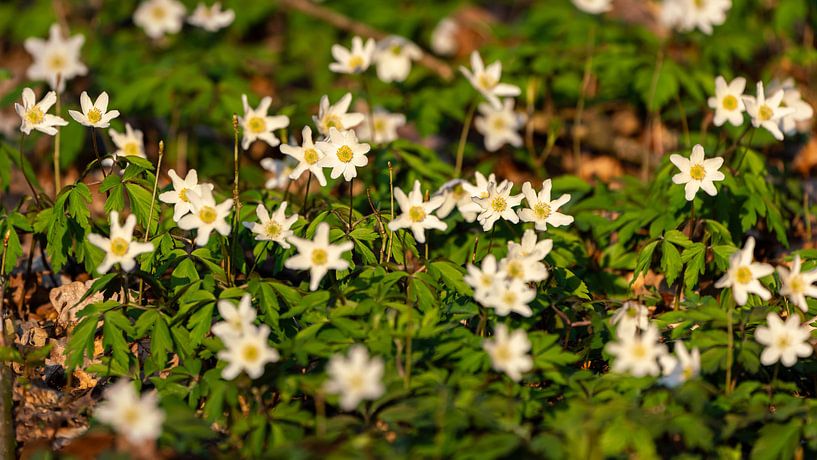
[[211, 18], [159, 17], [385, 126], [393, 58], [356, 378], [354, 60], [500, 126], [509, 351], [56, 60], [486, 80], [138, 418], [257, 125]]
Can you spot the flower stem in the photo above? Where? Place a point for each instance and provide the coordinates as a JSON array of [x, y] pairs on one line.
[[57, 178], [236, 202], [410, 305], [152, 203], [730, 345], [391, 208], [96, 151], [306, 195], [466, 127], [351, 203], [22, 168]]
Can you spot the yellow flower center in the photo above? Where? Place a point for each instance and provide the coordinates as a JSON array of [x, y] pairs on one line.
[[765, 113], [311, 156], [697, 172], [509, 298], [131, 415], [499, 124], [344, 154], [119, 247], [257, 125], [796, 284], [487, 281], [158, 13], [319, 257], [396, 50], [743, 275], [34, 115], [458, 191], [272, 229], [486, 82], [94, 115], [499, 204], [56, 62], [208, 214], [379, 125], [417, 214], [515, 269], [183, 195], [502, 353], [729, 102], [332, 121], [250, 353], [542, 210], [783, 341], [688, 372], [639, 351], [131, 149], [356, 382], [356, 62]]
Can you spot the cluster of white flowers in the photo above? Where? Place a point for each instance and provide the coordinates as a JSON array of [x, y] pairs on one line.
[[392, 56], [160, 17], [195, 207], [247, 348]]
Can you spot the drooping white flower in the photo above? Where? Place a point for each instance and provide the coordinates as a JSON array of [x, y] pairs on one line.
[[767, 112], [272, 228], [34, 115], [444, 37], [179, 197], [743, 275], [211, 18], [484, 279], [56, 60], [454, 195], [318, 256], [206, 216], [336, 116], [248, 352], [280, 172], [541, 209], [697, 173], [637, 354], [94, 114], [509, 352], [120, 247], [498, 204], [784, 342], [236, 320], [355, 60], [511, 296], [385, 126], [343, 153], [681, 367], [728, 101], [159, 17], [630, 318], [138, 418], [486, 80], [801, 110], [308, 157], [500, 126], [256, 124], [417, 213], [128, 144], [356, 378], [393, 58], [797, 285], [594, 6]]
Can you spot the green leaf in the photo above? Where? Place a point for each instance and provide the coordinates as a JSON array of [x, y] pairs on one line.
[[670, 261]]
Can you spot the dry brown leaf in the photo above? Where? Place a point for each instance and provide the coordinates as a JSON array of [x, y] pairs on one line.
[[65, 298]]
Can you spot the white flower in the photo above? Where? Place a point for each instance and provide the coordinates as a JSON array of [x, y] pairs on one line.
[[784, 342], [792, 99], [523, 261], [393, 58], [509, 352], [480, 190], [281, 171], [138, 418], [703, 14], [56, 60], [318, 256], [486, 80], [681, 367], [511, 297], [637, 354], [237, 321], [697, 173], [128, 144], [275, 228], [485, 279], [455, 195], [728, 101], [530, 247], [34, 115], [96, 114], [498, 204], [256, 124], [355, 60], [335, 116], [248, 352], [797, 285], [385, 127], [593, 6], [444, 37], [417, 214], [499, 126], [672, 14], [211, 18], [743, 275], [206, 216], [343, 154], [767, 112], [307, 156], [179, 197], [541, 209], [356, 379], [159, 17], [120, 247], [630, 318]]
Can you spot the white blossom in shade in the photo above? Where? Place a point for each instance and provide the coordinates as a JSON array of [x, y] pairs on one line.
[[743, 275], [456, 196], [697, 173], [211, 18], [523, 261], [272, 228], [444, 37], [784, 342], [318, 256], [393, 58], [257, 125], [336, 116], [484, 279], [34, 115], [530, 246], [308, 157], [279, 173], [385, 126], [159, 17], [767, 113], [728, 101], [354, 60], [206, 216], [499, 126], [120, 247], [798, 285], [509, 352], [343, 153], [94, 114], [594, 6], [704, 14], [248, 352], [497, 205], [128, 144], [511, 296], [417, 213], [138, 418], [672, 14], [630, 318], [179, 197], [542, 210], [56, 60], [236, 320], [356, 378], [802, 111], [681, 367], [486, 80], [637, 354]]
